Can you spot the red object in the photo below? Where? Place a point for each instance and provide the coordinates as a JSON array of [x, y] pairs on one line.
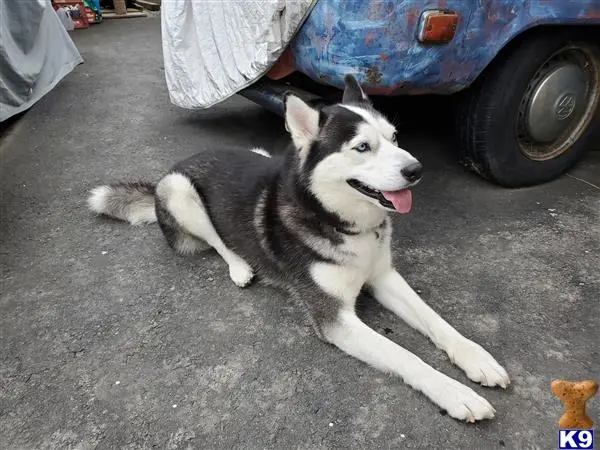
[[91, 15], [283, 67], [80, 18], [438, 26]]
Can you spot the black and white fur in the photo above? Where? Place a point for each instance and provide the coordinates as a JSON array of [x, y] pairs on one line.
[[314, 222]]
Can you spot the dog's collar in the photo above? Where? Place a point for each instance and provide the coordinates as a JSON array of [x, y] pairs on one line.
[[346, 231], [350, 232]]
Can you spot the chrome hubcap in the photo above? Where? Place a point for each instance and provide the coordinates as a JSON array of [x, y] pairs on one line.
[[558, 103]]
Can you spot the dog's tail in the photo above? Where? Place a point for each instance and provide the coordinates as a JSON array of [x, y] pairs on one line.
[[131, 202]]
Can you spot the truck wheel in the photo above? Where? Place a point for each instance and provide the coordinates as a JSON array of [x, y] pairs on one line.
[[533, 113]]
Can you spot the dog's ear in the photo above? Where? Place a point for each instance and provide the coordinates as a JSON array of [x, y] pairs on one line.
[[353, 93], [301, 120]]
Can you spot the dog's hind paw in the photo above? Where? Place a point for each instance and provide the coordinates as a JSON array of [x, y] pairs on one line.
[[478, 364], [241, 273]]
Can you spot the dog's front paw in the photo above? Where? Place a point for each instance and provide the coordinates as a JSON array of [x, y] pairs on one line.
[[478, 364], [462, 402], [241, 273]]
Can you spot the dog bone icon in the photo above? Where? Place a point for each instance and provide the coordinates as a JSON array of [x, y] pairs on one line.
[[574, 395]]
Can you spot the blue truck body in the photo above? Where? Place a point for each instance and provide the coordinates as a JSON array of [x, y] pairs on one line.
[[376, 40], [548, 112]]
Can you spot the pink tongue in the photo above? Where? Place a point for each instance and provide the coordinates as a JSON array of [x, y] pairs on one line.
[[402, 200]]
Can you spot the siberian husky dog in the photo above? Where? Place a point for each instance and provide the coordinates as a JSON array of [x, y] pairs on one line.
[[315, 221]]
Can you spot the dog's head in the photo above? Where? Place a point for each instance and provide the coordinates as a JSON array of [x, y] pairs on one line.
[[350, 158]]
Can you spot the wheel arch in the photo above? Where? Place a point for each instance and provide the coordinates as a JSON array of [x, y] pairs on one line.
[[589, 32]]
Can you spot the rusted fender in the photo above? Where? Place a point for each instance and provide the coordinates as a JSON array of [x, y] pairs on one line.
[[377, 40]]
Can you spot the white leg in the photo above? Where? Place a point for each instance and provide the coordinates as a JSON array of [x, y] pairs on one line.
[[183, 202], [355, 338], [393, 292]]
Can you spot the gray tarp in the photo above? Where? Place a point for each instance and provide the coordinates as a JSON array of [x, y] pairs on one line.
[[36, 52], [213, 49]]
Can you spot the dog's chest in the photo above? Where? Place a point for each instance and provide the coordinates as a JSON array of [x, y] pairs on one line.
[[354, 261], [360, 251]]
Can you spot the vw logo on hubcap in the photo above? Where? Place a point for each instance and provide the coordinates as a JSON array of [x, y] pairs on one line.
[[565, 106]]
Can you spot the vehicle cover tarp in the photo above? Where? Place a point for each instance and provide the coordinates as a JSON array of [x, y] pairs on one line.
[[36, 52], [213, 49]]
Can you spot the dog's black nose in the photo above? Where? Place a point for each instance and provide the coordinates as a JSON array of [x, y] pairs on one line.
[[413, 172]]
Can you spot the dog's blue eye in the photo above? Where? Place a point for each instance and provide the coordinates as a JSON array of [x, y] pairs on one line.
[[364, 147], [395, 138]]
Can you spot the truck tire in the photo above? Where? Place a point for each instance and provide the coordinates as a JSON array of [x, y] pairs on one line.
[[534, 112]]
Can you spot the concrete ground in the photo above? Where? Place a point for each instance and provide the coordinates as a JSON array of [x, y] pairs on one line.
[[109, 340]]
